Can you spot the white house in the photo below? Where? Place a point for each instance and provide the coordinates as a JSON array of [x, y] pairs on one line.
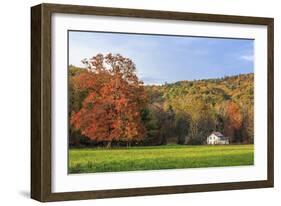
[[217, 138]]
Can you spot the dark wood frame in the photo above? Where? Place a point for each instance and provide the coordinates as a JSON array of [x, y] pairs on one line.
[[41, 101]]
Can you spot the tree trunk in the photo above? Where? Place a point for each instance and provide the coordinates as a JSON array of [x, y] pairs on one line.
[[108, 145]]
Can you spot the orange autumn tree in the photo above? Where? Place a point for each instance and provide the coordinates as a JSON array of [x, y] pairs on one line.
[[112, 109], [234, 120]]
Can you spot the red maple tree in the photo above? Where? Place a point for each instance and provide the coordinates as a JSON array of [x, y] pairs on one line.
[[111, 111]]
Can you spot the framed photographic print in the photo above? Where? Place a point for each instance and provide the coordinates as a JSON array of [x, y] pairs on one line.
[[130, 102]]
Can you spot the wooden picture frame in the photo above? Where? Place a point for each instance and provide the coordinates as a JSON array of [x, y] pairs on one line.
[[41, 95]]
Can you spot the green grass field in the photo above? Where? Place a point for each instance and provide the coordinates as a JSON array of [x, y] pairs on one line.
[[158, 157]]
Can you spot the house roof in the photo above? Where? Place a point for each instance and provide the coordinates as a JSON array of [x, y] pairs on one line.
[[218, 134]]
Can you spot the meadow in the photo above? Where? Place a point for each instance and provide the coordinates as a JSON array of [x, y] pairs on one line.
[[91, 160]]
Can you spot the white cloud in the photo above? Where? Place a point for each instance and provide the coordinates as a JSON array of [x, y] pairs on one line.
[[248, 57]]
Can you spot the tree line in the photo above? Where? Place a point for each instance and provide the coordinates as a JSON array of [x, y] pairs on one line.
[[110, 106]]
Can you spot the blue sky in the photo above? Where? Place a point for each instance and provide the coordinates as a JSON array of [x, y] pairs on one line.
[[161, 59]]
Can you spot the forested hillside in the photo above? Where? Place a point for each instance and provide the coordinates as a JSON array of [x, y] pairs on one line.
[[196, 108], [184, 112]]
